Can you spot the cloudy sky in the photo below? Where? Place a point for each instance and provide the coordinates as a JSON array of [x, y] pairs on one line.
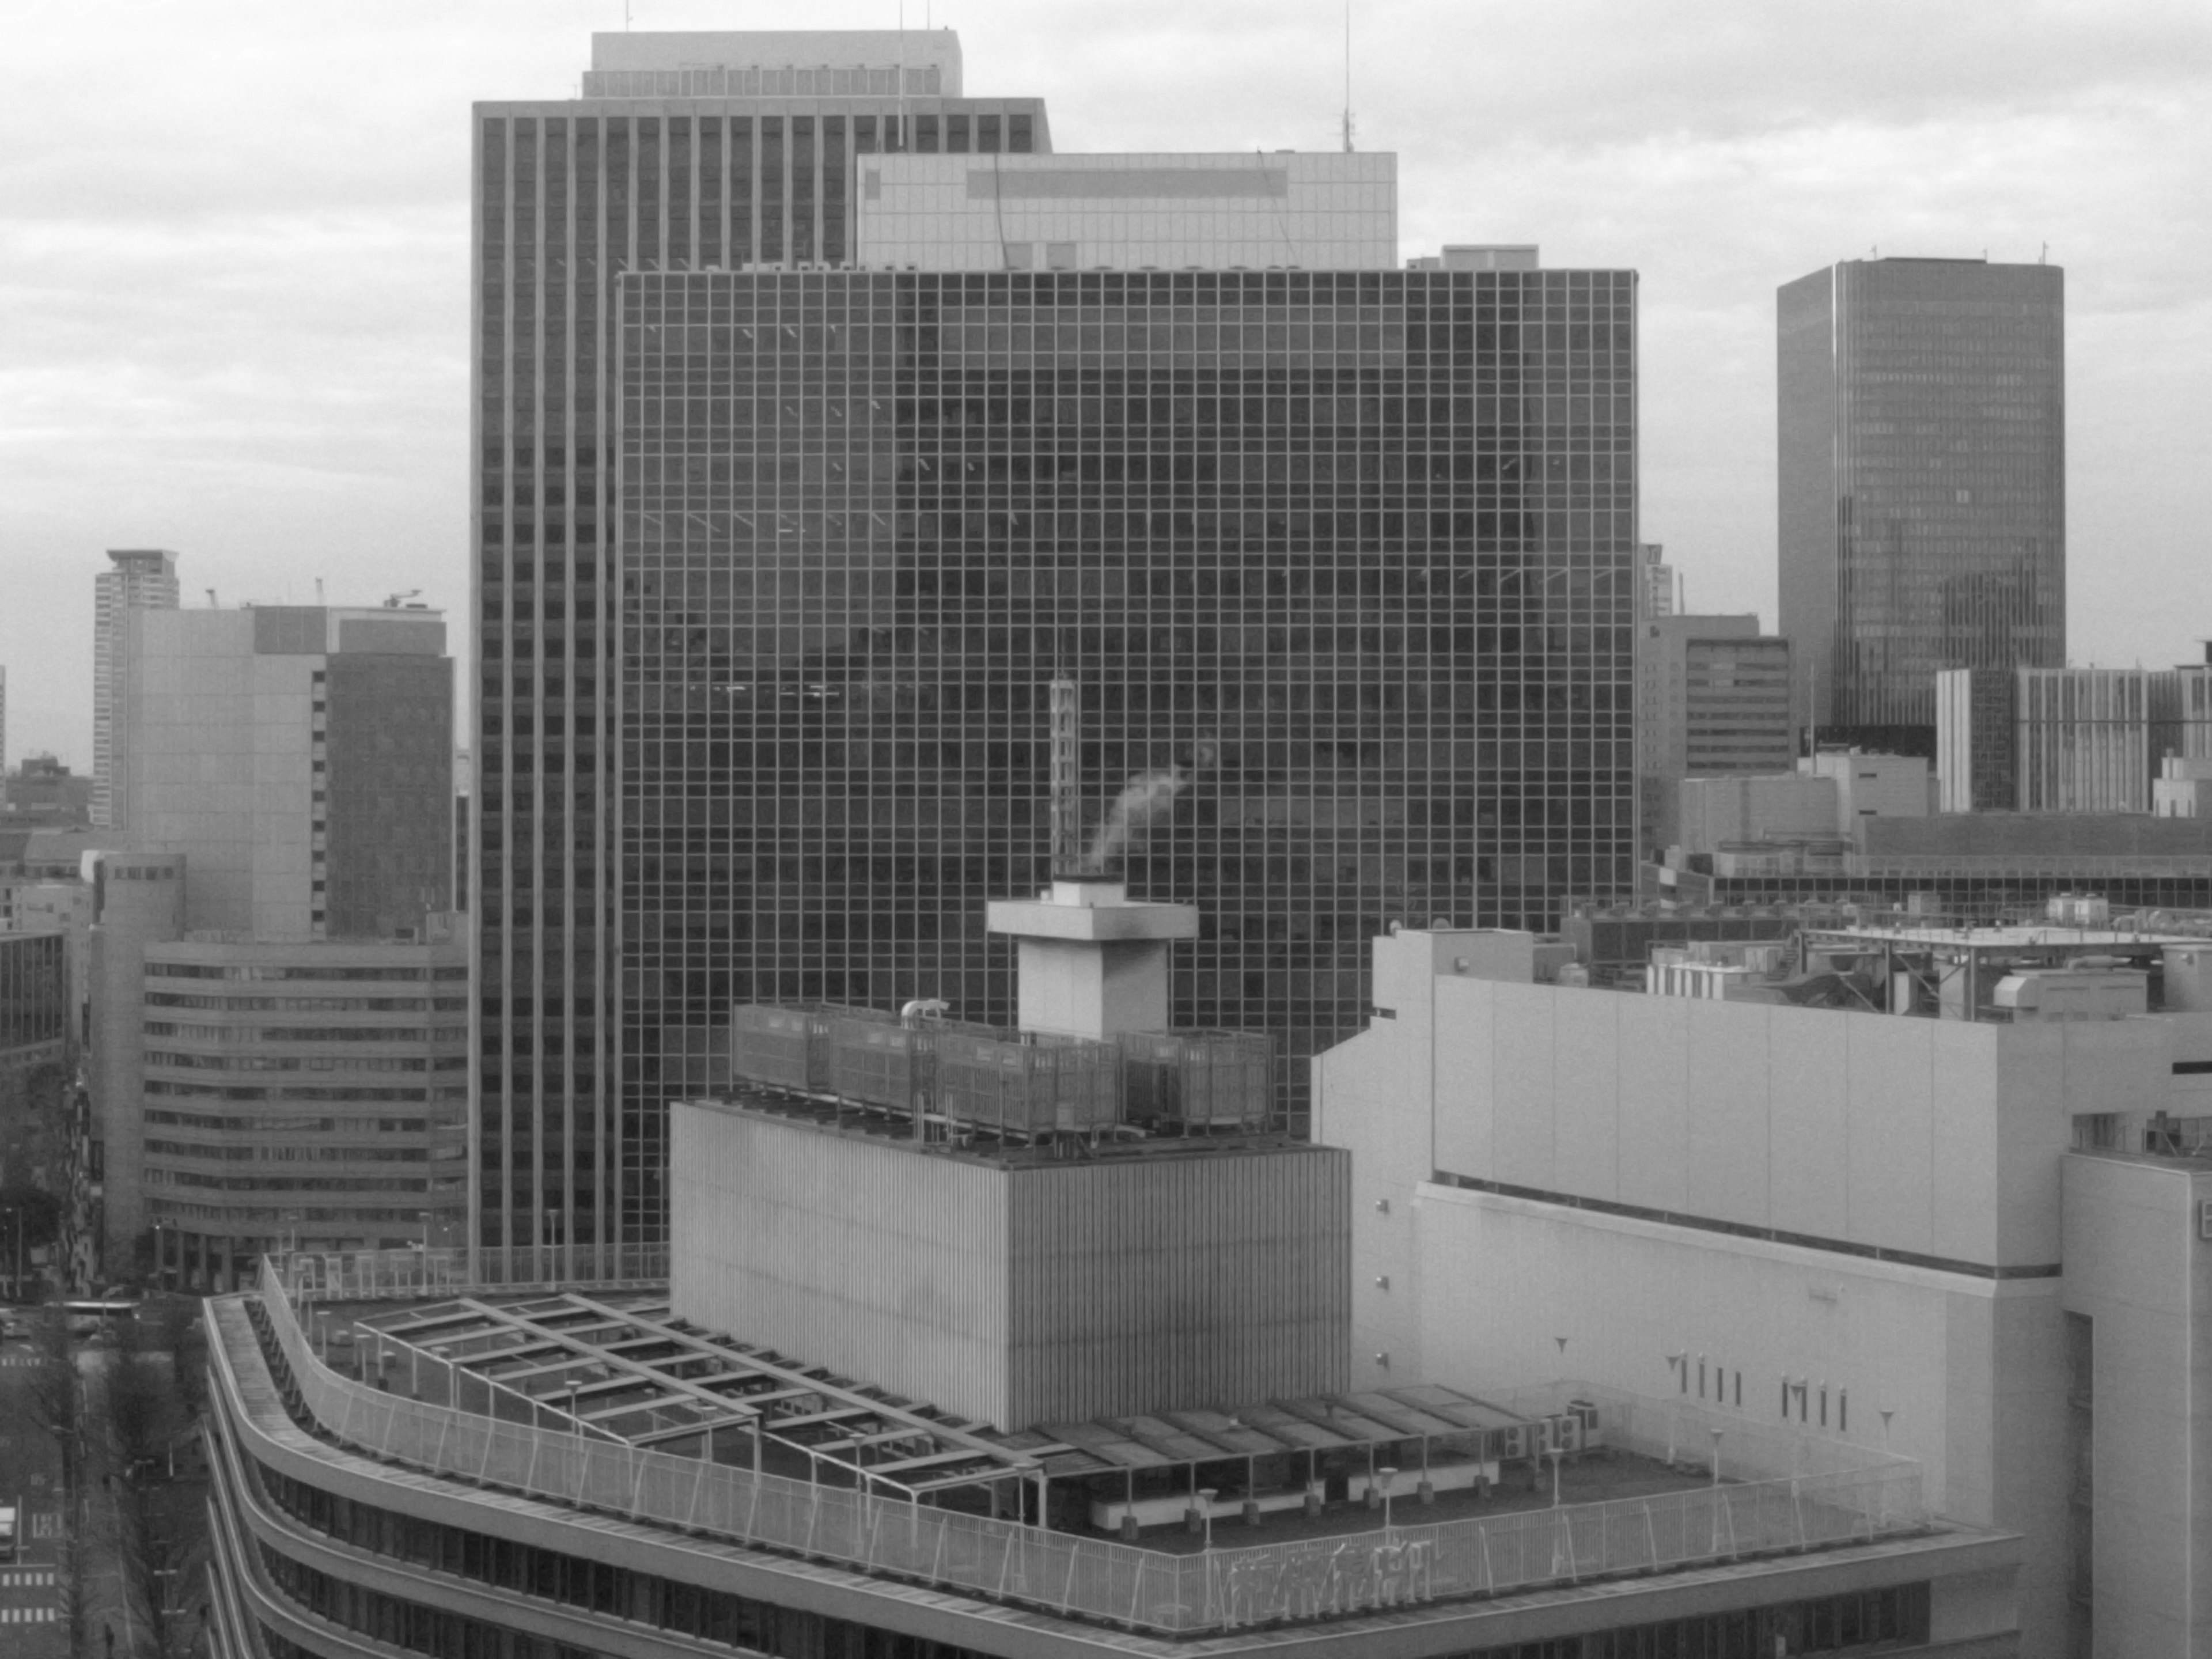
[[234, 257]]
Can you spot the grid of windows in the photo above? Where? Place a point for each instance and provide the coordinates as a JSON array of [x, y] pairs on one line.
[[1922, 477], [1351, 553], [567, 196]]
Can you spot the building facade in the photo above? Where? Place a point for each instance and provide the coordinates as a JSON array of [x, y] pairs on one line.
[[1713, 700], [1922, 486], [302, 756], [34, 1009], [1343, 562], [686, 151], [1845, 1216], [143, 578], [310, 1096]]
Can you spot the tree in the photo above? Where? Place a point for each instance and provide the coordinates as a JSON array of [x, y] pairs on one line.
[[57, 1394], [181, 1331], [158, 1549]]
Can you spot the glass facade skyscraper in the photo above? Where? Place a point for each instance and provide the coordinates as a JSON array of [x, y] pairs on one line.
[[1923, 472], [1351, 554], [685, 152]]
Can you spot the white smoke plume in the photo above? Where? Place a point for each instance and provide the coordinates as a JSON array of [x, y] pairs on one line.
[[1148, 795]]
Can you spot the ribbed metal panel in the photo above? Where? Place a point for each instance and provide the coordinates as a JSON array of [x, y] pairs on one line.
[[1017, 1296], [1210, 1281]]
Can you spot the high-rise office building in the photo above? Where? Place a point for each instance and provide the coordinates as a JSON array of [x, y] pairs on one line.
[[686, 151], [1343, 564], [143, 578], [1923, 456]]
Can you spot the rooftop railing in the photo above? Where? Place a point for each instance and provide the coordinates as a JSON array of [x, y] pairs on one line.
[[1772, 1493]]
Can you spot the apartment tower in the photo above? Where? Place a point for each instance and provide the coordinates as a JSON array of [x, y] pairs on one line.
[[143, 578], [1923, 456]]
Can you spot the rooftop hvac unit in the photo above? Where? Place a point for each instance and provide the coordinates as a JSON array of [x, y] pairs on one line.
[[2075, 993], [1204, 1079]]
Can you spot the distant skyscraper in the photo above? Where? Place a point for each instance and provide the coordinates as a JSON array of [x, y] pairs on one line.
[[1923, 457], [1349, 553], [143, 578], [686, 152]]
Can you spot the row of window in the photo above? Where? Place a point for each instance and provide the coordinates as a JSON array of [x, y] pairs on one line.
[[282, 1154], [304, 1004], [216, 1125], [308, 1033], [259, 971], [298, 1063], [295, 1091]]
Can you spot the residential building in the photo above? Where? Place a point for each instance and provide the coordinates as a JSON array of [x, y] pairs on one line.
[[685, 150], [1922, 485], [143, 578], [1774, 1198], [1713, 700]]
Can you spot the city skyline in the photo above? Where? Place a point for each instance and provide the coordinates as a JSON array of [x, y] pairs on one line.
[[349, 258]]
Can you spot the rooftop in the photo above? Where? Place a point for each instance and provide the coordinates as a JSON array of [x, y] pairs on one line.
[[1401, 1497]]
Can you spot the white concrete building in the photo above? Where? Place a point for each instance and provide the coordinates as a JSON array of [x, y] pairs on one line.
[[1320, 211], [1849, 1221]]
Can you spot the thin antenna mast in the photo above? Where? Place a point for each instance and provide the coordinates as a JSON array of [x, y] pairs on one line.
[[1347, 77]]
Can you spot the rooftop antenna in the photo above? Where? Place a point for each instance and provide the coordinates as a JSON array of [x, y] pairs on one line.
[[1347, 77], [211, 593], [1066, 809]]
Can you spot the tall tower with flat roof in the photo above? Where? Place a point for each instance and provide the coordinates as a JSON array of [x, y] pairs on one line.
[[1923, 454], [687, 152], [143, 578]]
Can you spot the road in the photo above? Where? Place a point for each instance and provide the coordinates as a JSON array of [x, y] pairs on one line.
[[30, 1478]]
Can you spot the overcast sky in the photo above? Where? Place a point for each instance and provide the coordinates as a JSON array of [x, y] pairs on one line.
[[233, 247]]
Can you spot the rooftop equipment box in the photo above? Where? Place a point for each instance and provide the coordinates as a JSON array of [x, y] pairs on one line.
[[1017, 1291]]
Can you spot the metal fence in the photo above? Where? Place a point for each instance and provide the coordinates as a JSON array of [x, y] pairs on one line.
[[1127, 1584], [386, 1275]]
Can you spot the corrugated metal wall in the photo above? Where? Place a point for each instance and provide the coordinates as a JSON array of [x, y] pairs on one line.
[[1218, 1280], [1024, 1296]]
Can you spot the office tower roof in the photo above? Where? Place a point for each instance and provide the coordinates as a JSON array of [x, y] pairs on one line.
[[812, 50], [1923, 483], [1322, 211]]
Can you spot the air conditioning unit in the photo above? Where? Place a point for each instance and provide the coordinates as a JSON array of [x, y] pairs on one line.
[[1512, 1443], [1585, 1412], [1566, 1432], [1542, 1435]]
